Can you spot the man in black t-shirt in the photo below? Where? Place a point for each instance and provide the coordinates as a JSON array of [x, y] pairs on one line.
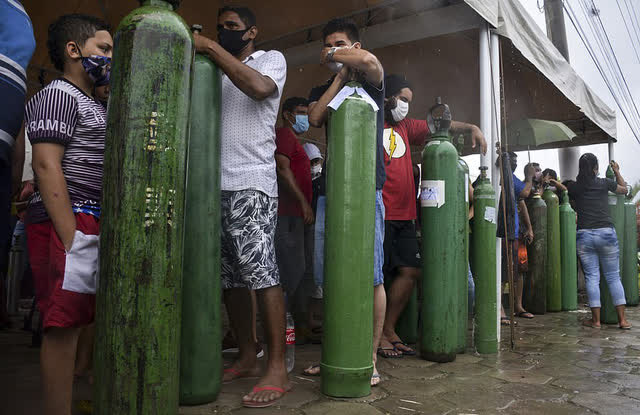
[[342, 53]]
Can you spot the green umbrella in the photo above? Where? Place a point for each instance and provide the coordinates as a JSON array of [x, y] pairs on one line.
[[531, 132]]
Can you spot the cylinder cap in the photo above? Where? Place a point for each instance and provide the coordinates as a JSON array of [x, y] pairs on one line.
[[174, 3], [196, 28]]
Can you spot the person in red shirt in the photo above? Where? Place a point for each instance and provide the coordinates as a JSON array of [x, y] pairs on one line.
[[401, 250], [294, 195]]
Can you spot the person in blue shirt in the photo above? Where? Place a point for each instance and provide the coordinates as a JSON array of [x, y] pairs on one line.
[[516, 209], [17, 44]]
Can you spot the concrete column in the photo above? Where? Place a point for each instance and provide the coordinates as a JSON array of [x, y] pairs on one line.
[[495, 173], [485, 92], [557, 33]]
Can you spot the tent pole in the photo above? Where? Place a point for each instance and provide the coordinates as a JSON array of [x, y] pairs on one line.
[[485, 92], [610, 148], [495, 171]]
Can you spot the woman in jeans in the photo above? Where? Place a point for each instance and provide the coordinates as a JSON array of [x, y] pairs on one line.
[[597, 242]]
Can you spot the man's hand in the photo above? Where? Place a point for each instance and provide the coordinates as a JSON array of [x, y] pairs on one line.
[[528, 236], [615, 167], [477, 138], [529, 172], [307, 213], [200, 42]]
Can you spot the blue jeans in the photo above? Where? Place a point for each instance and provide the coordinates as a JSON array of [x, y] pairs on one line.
[[598, 248], [318, 256], [471, 291]]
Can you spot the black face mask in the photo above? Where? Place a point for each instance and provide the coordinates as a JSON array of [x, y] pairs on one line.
[[231, 40]]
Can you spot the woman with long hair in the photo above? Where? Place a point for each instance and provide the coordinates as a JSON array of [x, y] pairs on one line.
[[597, 242]]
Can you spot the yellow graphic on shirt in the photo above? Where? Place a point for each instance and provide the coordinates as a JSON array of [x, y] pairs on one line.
[[393, 143]]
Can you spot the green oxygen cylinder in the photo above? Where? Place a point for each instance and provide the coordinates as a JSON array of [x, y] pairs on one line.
[[346, 366], [554, 263], [139, 301], [534, 294], [407, 325], [608, 313], [483, 255], [568, 255], [630, 257], [201, 337], [463, 276], [442, 240]]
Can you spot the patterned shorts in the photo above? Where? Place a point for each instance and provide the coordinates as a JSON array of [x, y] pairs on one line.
[[249, 219]]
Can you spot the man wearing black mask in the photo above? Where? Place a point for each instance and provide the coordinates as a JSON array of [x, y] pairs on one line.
[[251, 90]]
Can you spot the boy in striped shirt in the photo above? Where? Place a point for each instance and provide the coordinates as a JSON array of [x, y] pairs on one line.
[[66, 127]]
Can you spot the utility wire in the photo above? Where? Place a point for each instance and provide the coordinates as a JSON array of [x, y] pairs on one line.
[[635, 49], [612, 74], [634, 18], [625, 90]]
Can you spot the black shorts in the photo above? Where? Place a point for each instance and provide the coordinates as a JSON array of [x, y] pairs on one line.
[[400, 245]]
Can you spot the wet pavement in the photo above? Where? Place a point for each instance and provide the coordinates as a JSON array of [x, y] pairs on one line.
[[558, 367]]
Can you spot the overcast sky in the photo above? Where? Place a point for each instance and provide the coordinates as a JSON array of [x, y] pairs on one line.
[[627, 150]]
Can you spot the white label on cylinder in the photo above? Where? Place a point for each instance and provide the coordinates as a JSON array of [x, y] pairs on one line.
[[613, 200], [466, 187], [490, 214], [432, 193]]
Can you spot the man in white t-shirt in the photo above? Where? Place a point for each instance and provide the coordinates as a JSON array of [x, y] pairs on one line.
[[252, 84]]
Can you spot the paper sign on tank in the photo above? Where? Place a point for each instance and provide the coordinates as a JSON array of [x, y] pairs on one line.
[[432, 193]]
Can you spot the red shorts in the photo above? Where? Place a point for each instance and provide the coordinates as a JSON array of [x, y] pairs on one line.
[[65, 282]]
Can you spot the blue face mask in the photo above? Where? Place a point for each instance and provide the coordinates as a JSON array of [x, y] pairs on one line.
[[302, 123]]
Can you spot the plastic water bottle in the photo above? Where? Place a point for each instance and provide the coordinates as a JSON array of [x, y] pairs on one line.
[[290, 351]]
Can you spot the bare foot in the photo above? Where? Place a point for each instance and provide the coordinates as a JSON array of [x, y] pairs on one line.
[[388, 350], [269, 389]]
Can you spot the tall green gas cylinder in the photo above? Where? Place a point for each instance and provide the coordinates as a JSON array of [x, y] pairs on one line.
[[534, 293], [463, 278], [608, 313], [568, 255], [201, 337], [483, 258], [407, 325], [346, 366], [554, 263], [630, 257], [139, 301], [442, 241]]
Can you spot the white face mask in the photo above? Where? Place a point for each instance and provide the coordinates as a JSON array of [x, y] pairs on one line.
[[400, 111], [334, 67], [316, 171]]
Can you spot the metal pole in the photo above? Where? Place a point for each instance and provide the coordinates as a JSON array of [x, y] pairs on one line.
[[611, 150], [495, 136], [485, 91], [557, 33]]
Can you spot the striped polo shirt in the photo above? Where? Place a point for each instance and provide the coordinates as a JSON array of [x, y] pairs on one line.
[[16, 47], [62, 114]]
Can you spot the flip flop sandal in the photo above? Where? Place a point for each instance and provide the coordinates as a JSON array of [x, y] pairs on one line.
[[625, 327], [409, 352], [236, 375], [525, 314], [382, 353], [307, 371], [376, 376], [504, 321], [589, 323], [251, 404]]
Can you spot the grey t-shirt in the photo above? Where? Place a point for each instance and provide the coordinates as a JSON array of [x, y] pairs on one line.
[[592, 204]]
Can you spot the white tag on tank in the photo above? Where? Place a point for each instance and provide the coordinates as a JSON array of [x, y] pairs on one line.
[[466, 187], [432, 193], [613, 200], [490, 214]]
